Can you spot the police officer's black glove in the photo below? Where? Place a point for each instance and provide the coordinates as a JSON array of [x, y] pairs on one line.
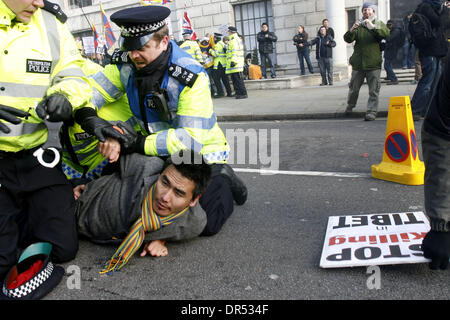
[[98, 127], [232, 64], [436, 246], [11, 115], [54, 108], [133, 142]]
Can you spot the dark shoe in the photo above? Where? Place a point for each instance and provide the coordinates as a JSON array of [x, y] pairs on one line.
[[348, 111], [302, 74], [242, 97], [390, 83], [231, 95], [237, 186], [273, 76], [217, 96], [370, 116], [414, 82], [330, 84], [323, 84]]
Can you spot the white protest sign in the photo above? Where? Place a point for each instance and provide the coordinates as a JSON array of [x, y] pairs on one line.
[[88, 44], [375, 239]]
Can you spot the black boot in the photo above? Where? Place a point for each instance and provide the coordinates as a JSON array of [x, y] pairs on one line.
[[237, 186]]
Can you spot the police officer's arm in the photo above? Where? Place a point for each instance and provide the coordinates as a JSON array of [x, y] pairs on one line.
[[68, 77], [195, 118]]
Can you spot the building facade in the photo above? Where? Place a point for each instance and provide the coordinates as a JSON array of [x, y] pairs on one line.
[[207, 16]]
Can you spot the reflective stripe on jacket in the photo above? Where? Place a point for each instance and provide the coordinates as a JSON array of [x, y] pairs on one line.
[[235, 54], [38, 59]]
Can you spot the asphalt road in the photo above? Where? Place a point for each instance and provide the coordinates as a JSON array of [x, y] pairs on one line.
[[270, 247]]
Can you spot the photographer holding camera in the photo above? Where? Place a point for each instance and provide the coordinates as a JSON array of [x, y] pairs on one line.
[[366, 59]]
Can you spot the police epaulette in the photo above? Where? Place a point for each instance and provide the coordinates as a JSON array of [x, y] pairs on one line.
[[183, 75], [119, 57], [56, 10]]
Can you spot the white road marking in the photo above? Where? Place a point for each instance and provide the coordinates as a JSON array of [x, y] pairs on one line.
[[305, 173]]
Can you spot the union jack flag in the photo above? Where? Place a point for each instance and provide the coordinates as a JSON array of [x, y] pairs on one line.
[[186, 25]]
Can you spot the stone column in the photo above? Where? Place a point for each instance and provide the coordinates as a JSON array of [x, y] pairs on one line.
[[335, 13]]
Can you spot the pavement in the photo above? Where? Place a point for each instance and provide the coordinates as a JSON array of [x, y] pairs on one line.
[[308, 102]]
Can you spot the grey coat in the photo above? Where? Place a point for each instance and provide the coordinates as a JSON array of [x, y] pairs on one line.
[[110, 205]]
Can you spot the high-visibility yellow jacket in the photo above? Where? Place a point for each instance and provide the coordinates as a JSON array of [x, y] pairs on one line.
[[193, 125], [192, 47], [37, 59], [80, 157], [219, 52], [235, 54]]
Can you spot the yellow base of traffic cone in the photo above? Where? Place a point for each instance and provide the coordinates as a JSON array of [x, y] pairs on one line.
[[400, 162], [399, 174]]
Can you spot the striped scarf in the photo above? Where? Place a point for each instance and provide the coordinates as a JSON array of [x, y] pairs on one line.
[[149, 221]]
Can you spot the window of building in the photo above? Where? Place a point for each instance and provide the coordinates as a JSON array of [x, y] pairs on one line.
[[77, 3], [351, 18], [249, 17]]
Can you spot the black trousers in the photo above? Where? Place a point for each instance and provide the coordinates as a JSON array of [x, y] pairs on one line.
[[219, 78], [238, 83], [217, 201], [36, 204]]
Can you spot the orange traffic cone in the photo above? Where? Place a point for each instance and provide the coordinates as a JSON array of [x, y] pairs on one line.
[[400, 162]]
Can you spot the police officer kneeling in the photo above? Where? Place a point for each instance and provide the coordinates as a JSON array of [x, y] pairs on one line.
[[168, 93]]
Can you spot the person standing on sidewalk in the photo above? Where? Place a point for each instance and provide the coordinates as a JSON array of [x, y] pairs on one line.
[[430, 54], [324, 55], [235, 63], [219, 52], [366, 59], [266, 40], [393, 42], [302, 45], [330, 30]]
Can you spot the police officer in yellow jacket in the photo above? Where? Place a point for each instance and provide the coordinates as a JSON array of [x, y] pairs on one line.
[[39, 59], [235, 63], [191, 46], [168, 92], [219, 52], [41, 84]]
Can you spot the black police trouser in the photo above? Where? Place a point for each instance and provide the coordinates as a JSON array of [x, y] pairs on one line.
[[238, 83], [36, 204], [220, 76], [217, 201]]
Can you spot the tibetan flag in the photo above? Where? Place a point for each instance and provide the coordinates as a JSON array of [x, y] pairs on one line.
[[186, 25], [94, 32], [107, 30]]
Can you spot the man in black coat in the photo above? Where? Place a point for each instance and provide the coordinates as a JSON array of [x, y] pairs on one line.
[[429, 56], [265, 44], [393, 43], [324, 55], [436, 156]]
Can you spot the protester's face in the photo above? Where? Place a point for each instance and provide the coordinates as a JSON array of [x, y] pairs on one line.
[[323, 31], [24, 9], [325, 23], [149, 52], [264, 28], [300, 29], [173, 192], [368, 13]]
